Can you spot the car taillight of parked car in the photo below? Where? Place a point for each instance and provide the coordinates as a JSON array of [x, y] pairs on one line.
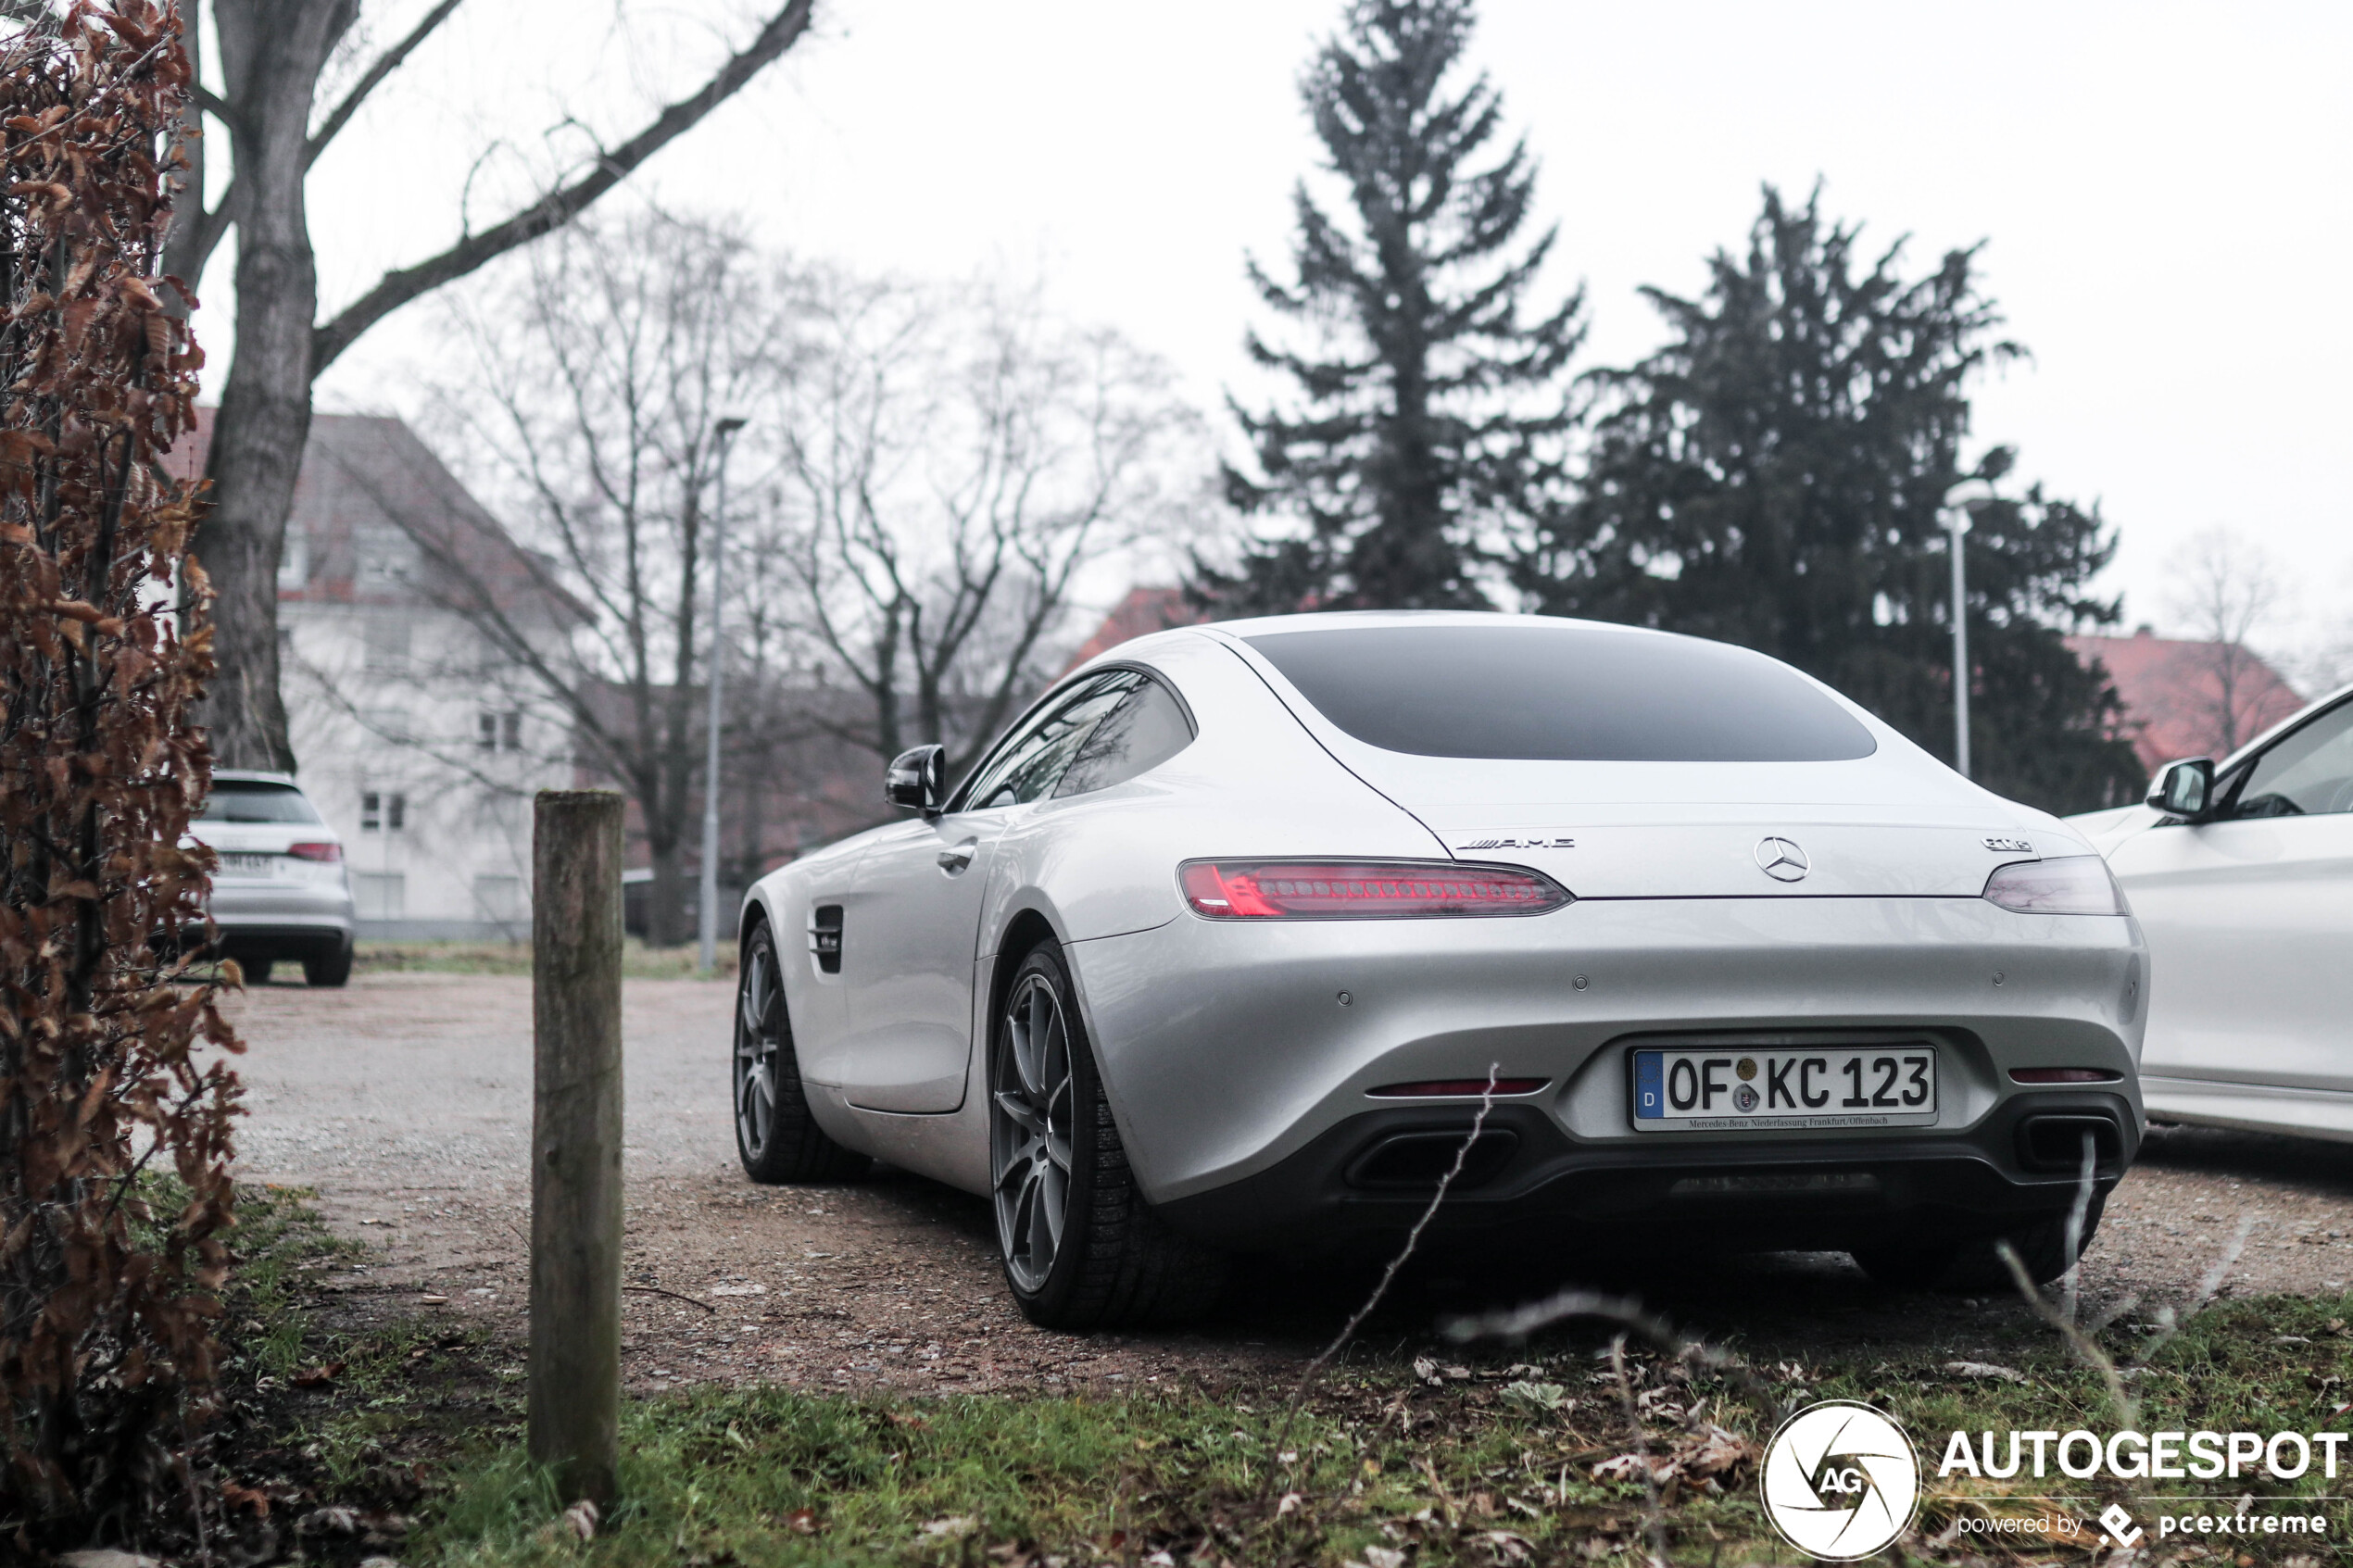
[[2072, 884], [1352, 890], [326, 854]]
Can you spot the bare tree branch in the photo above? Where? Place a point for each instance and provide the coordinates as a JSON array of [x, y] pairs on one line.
[[558, 207], [385, 63]]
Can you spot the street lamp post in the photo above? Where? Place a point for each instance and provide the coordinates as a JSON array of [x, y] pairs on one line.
[[708, 956], [1957, 527]]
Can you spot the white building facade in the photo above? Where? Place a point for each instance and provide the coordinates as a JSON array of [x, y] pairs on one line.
[[417, 738]]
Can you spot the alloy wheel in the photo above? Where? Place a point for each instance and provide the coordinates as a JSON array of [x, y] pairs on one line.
[[758, 1015], [1029, 1131]]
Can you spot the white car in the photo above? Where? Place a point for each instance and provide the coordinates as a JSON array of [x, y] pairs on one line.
[[279, 892], [1223, 945], [2242, 875]]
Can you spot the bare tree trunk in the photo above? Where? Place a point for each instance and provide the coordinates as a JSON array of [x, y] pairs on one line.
[[271, 52], [666, 900]]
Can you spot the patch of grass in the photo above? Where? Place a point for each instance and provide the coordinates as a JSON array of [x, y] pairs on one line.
[[332, 1405], [637, 961], [1497, 1466], [1517, 1459]]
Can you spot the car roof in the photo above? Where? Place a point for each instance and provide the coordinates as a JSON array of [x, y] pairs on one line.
[[1358, 620]]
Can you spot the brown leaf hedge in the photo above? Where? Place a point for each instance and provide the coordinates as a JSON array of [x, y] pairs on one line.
[[115, 1097]]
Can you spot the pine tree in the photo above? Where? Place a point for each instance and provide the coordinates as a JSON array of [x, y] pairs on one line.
[[1775, 476], [1427, 419]]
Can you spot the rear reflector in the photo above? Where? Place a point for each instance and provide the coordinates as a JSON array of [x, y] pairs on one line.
[[1363, 890], [2063, 1075], [327, 853], [1463, 1088]]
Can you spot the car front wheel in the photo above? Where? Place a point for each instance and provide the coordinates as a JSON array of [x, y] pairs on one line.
[[1082, 1249], [776, 1137]]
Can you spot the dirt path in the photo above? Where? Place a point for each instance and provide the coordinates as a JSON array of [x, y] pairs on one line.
[[406, 1102]]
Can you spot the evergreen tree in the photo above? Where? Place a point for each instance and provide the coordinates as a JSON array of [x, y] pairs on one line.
[[1426, 416], [1776, 477]]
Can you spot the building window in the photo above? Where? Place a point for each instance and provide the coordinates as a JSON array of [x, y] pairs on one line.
[[380, 894], [294, 557], [498, 731], [381, 812]]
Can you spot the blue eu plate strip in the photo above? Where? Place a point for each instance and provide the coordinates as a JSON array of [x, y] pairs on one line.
[[1649, 1092]]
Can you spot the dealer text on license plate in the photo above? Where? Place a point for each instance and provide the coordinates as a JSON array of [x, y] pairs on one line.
[[1735, 1088]]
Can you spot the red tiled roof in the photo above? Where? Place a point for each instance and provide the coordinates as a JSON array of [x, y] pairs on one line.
[[2173, 694], [1143, 612]]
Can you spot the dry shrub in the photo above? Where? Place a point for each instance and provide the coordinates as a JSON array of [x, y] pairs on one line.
[[106, 1352]]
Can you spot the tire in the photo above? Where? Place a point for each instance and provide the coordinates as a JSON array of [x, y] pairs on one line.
[[257, 971], [775, 1136], [1972, 1264], [1081, 1248], [331, 969]]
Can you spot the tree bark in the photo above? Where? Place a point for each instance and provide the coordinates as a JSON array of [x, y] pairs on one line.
[[666, 895], [271, 52]]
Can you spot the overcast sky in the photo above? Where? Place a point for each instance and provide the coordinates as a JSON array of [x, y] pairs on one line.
[[2166, 191]]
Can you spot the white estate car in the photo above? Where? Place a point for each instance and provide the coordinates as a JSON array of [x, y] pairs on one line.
[[1222, 944], [279, 892], [2242, 875]]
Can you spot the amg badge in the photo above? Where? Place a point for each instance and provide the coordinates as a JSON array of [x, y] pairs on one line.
[[1519, 844]]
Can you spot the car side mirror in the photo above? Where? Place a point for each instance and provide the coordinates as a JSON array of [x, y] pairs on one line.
[[2185, 789], [917, 780]]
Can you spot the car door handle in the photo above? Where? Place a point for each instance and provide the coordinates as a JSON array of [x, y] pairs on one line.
[[956, 860]]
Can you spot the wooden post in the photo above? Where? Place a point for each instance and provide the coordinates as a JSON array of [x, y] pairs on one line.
[[575, 1139]]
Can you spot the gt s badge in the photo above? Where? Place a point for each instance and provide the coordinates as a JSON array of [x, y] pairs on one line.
[[2009, 845], [1519, 844]]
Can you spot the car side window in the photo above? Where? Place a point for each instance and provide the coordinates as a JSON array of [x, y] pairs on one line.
[[1030, 763], [2309, 772], [1144, 731]]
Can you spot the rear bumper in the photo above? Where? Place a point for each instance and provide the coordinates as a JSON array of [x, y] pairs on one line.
[[1529, 1180], [1241, 1078], [279, 919]]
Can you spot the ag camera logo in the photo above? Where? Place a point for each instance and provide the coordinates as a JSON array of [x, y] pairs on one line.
[[1840, 1481]]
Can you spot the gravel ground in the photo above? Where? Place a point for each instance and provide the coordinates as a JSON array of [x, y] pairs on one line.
[[405, 1100]]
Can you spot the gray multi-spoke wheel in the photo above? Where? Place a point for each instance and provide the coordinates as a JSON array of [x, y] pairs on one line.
[[776, 1137], [1029, 1131], [1082, 1248]]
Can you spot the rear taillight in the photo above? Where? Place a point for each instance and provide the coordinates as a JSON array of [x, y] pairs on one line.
[[2072, 884], [326, 853], [2063, 1075], [1363, 890]]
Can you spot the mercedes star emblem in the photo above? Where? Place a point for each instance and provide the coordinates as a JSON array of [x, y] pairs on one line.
[[1781, 859]]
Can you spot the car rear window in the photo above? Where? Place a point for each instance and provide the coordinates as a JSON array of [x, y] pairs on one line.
[[1559, 692], [238, 800]]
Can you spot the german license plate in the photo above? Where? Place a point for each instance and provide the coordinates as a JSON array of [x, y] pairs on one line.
[[1737, 1088], [250, 865]]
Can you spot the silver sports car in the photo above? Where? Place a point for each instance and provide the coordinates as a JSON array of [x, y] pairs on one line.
[[1224, 945]]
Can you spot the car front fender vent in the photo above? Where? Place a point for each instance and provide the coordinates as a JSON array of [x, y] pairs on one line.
[[825, 937]]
